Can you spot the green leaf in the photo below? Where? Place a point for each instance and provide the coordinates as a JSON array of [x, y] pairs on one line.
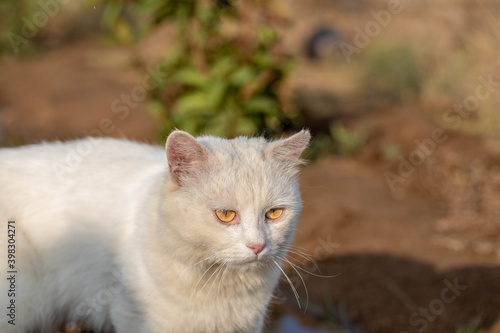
[[156, 109], [216, 92], [260, 104], [205, 15], [192, 102], [391, 152], [263, 59], [348, 142], [111, 13], [245, 126], [223, 67], [243, 75], [152, 6], [267, 35], [123, 31], [273, 122], [191, 77], [220, 124]]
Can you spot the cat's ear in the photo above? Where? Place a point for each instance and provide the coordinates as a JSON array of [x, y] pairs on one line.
[[290, 149], [185, 155]]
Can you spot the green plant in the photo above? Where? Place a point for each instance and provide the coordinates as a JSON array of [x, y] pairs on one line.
[[392, 73], [223, 73], [346, 143], [473, 326], [391, 151], [221, 81], [11, 23], [125, 21], [339, 141]]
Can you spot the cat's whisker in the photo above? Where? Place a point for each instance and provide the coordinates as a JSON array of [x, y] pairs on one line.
[[220, 270], [305, 257], [290, 283], [214, 275], [296, 247], [295, 256], [195, 291], [210, 278], [199, 262], [313, 274], [302, 254], [301, 279], [222, 277]]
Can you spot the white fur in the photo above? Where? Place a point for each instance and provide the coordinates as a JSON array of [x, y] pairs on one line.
[[107, 237]]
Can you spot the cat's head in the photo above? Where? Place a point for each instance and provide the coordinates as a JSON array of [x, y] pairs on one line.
[[234, 200]]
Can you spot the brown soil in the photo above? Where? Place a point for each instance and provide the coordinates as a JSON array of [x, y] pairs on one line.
[[66, 94], [392, 252]]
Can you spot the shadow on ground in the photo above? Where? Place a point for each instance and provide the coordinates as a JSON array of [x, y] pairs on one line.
[[382, 293]]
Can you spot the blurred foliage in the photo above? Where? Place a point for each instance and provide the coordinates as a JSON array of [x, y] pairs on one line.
[[339, 141], [125, 21], [346, 142], [391, 151], [474, 326], [11, 22], [229, 84], [223, 72], [392, 73]]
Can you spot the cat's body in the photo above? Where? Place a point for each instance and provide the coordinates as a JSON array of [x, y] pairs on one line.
[[110, 234]]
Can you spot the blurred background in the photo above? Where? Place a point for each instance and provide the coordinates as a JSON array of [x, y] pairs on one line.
[[401, 224]]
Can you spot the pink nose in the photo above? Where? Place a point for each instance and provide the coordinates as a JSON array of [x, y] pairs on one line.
[[256, 248]]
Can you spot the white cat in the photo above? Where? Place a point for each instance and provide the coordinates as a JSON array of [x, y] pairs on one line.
[[107, 233]]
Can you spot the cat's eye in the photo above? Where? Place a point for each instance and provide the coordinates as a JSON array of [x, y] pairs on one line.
[[275, 213], [225, 216]]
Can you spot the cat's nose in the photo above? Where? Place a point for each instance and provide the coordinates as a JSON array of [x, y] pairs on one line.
[[256, 248]]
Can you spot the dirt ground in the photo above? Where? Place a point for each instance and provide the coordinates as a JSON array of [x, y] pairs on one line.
[[422, 258]]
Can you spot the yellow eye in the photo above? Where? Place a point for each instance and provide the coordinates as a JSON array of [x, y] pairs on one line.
[[225, 216], [274, 213]]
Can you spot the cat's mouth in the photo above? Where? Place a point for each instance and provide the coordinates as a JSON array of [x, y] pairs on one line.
[[253, 261], [249, 266]]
